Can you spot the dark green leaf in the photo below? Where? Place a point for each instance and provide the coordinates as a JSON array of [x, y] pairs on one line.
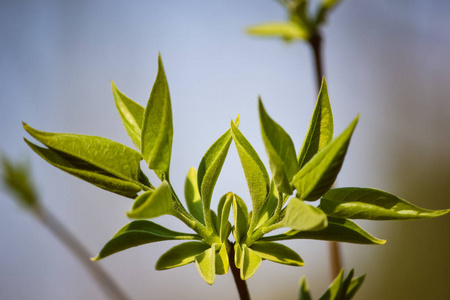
[[254, 170], [304, 217], [354, 286], [319, 174], [372, 204], [131, 113], [320, 132], [87, 172], [334, 290], [340, 230], [192, 195], [181, 255], [152, 204], [250, 262], [280, 151], [277, 253], [304, 290], [240, 215], [285, 30], [139, 233], [157, 127], [206, 264]]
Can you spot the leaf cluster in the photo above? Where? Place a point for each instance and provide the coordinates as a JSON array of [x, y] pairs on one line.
[[281, 200]]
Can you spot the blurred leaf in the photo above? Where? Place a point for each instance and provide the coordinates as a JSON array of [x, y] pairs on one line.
[[304, 290], [192, 196], [319, 174], [280, 151], [17, 180], [152, 204], [131, 113], [284, 30], [157, 128], [320, 132], [277, 253], [181, 255], [210, 167], [240, 215], [354, 286], [304, 217], [372, 204], [334, 290], [222, 261], [206, 264], [250, 262], [325, 7], [254, 170], [139, 233], [340, 230]]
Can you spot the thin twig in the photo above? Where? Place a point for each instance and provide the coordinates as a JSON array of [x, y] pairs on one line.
[[240, 284]]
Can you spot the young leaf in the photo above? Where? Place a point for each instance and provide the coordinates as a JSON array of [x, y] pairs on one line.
[[334, 290], [139, 233], [340, 230], [157, 128], [280, 150], [240, 216], [277, 253], [319, 174], [131, 113], [210, 167], [286, 30], [354, 286], [320, 132], [269, 205], [304, 217], [372, 204], [180, 255], [192, 196], [206, 264], [223, 212], [222, 261], [250, 262], [304, 290], [152, 204], [238, 255], [254, 170]]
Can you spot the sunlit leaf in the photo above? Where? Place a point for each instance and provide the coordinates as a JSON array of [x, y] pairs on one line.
[[269, 205], [285, 30], [192, 196], [181, 255], [240, 216], [131, 113], [250, 262], [139, 233], [157, 127], [277, 253], [319, 174], [372, 204], [304, 217], [238, 255], [152, 204], [223, 212], [320, 132], [222, 261], [206, 264], [280, 150]]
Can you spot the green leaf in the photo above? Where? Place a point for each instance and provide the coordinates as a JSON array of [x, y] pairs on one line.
[[157, 128], [372, 204], [280, 151], [319, 174], [17, 180], [210, 167], [345, 284], [269, 205], [131, 113], [354, 286], [320, 132], [222, 261], [285, 30], [304, 217], [139, 233], [250, 262], [304, 290], [223, 212], [340, 230], [238, 255], [206, 264], [334, 290], [277, 253], [180, 255], [240, 216], [254, 170], [152, 204], [192, 196]]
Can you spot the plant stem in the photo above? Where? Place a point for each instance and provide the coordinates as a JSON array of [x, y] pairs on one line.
[[108, 285], [240, 284], [316, 44]]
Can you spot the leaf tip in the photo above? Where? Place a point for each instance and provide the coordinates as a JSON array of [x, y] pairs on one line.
[[96, 258], [238, 119]]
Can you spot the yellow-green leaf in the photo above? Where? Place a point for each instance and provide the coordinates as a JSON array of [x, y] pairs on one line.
[[240, 216], [284, 30], [223, 212], [180, 255], [152, 204], [222, 261], [277, 253], [192, 196], [206, 264], [250, 262], [304, 217]]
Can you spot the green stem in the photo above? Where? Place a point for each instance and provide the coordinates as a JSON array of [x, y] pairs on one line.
[[240, 284], [316, 44]]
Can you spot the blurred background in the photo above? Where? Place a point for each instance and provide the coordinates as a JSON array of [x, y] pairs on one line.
[[387, 60]]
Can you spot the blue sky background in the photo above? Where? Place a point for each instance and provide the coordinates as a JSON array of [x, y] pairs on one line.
[[388, 61]]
